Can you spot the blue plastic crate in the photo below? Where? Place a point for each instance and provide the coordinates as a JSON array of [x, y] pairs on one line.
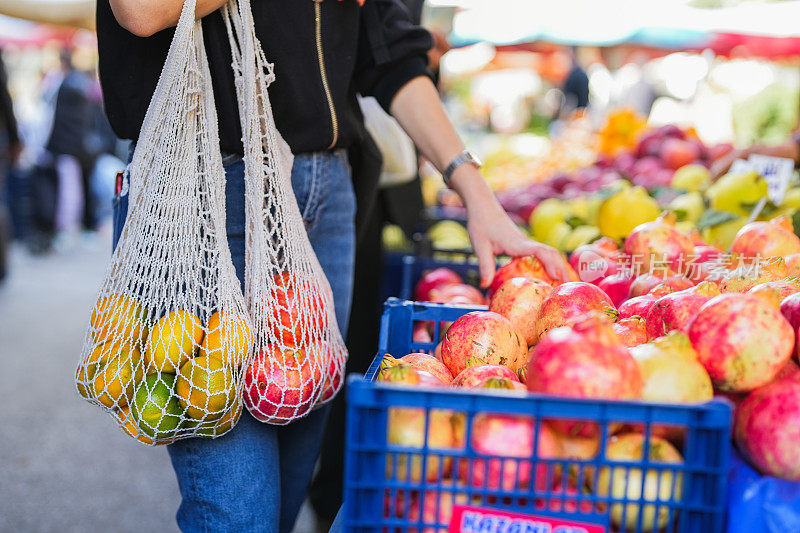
[[393, 488], [466, 265]]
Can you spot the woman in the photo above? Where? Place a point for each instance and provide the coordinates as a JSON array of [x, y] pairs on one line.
[[255, 477]]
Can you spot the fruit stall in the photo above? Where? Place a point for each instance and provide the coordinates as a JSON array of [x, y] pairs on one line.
[[657, 389]]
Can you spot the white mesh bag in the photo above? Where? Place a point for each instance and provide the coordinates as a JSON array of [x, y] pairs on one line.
[[170, 339], [299, 352]]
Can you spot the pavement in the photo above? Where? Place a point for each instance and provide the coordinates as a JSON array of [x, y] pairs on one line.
[[65, 465]]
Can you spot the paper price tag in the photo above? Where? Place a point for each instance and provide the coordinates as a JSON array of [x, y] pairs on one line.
[[777, 171], [468, 519]]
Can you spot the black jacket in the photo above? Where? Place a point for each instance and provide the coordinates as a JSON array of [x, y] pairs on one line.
[[372, 50]]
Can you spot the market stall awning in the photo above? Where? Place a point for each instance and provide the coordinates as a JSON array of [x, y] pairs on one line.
[[71, 13], [672, 24]]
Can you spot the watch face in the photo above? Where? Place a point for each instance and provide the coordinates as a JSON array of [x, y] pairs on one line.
[[475, 159]]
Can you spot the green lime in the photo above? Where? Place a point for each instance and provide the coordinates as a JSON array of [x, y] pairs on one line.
[[155, 407]]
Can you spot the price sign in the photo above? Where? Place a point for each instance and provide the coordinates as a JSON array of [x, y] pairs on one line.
[[777, 171], [468, 519]]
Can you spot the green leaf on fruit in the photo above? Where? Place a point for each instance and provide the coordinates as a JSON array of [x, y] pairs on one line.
[[680, 214], [574, 222], [713, 217], [796, 222]]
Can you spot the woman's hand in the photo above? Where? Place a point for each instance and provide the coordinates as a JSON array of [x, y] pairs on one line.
[[418, 109], [492, 233]]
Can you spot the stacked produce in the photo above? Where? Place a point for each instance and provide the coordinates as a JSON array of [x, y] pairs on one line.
[[665, 318]]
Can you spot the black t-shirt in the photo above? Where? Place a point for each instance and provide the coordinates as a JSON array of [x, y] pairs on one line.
[[372, 50]]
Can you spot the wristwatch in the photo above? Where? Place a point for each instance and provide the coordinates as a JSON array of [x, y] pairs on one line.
[[464, 157]]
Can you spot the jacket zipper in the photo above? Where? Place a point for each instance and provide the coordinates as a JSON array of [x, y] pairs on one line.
[[323, 73]]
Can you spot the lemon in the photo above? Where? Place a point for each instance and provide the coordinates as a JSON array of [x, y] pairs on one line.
[[689, 207], [546, 215], [557, 234], [449, 234], [791, 198], [625, 210], [579, 236], [722, 235], [691, 178], [737, 193], [173, 340]]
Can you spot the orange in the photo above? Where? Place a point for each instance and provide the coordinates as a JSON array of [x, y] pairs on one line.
[[228, 340], [172, 341], [84, 374], [119, 369], [205, 388], [128, 426], [120, 318], [223, 425]]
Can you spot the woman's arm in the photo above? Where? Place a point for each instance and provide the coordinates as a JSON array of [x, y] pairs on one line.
[[143, 18], [418, 109]]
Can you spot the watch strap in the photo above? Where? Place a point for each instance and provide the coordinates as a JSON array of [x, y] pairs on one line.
[[464, 157]]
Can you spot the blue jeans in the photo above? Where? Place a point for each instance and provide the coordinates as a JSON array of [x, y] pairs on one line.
[[255, 477]]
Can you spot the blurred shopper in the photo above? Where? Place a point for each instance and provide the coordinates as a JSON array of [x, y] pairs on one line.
[[10, 148], [72, 121], [576, 86]]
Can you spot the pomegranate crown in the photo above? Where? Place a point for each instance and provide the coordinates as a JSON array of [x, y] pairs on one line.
[[597, 327]]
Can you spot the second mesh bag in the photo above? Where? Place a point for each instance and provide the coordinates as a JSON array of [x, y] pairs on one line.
[[170, 337], [299, 351]]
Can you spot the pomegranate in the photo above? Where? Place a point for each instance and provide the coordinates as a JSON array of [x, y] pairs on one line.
[[437, 353], [485, 335], [577, 446], [333, 379], [746, 276], [592, 262], [789, 370], [519, 300], [617, 286], [477, 372], [432, 279], [457, 293], [428, 363], [587, 360], [421, 333], [671, 371], [281, 384], [568, 302], [741, 341], [502, 383], [643, 283], [659, 243], [793, 264], [520, 267], [432, 501], [510, 440], [767, 429], [393, 371], [676, 310], [767, 239], [676, 153], [658, 485], [406, 427], [704, 253], [639, 305], [774, 292], [632, 331]]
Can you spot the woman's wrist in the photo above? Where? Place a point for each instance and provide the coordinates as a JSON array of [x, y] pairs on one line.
[[468, 182]]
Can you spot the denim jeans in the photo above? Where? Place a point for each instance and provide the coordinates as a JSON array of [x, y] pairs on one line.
[[255, 477]]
